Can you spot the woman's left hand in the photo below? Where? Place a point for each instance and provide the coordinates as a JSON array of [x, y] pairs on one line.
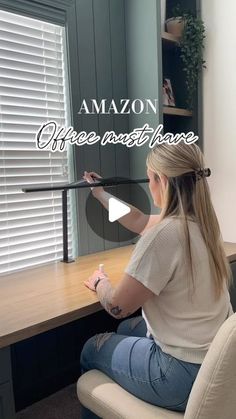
[[92, 279]]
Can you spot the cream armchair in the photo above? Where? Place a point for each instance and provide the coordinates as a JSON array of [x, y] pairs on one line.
[[212, 396]]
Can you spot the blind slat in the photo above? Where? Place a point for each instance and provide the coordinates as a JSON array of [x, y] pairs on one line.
[[22, 120], [31, 238], [15, 45], [32, 67], [29, 40], [31, 229], [21, 111], [30, 247], [27, 75], [32, 254], [44, 154], [40, 103], [28, 238], [31, 171], [23, 208], [32, 262], [30, 31], [27, 57], [19, 202], [32, 50], [32, 222], [19, 81], [14, 164], [40, 86], [32, 94]]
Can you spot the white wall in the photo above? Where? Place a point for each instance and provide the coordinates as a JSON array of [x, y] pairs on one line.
[[219, 99]]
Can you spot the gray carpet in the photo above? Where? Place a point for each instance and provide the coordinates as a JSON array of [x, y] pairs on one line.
[[62, 405]]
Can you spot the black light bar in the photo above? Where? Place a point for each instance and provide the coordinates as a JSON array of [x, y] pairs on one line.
[[64, 187], [112, 181]]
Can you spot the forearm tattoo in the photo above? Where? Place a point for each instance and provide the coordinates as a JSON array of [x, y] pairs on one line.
[[105, 297], [116, 311]]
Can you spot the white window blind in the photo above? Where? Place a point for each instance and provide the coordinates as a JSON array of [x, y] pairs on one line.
[[32, 91]]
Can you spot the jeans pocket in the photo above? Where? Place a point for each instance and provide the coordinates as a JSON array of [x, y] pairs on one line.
[[166, 362], [175, 385]]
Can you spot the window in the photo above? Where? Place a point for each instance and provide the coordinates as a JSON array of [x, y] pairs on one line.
[[32, 91]]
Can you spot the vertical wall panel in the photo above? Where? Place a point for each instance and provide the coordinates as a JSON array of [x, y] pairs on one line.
[[119, 74], [103, 52], [87, 156]]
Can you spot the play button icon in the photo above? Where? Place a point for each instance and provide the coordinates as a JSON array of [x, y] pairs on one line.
[[117, 209], [107, 223]]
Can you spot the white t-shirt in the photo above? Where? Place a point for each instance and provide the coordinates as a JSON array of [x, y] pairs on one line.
[[181, 325]]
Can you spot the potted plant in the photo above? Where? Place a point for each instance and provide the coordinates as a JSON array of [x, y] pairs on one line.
[[192, 47], [191, 33], [175, 24]]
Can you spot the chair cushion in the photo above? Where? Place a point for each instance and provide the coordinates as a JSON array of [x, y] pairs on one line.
[[213, 392], [105, 398]]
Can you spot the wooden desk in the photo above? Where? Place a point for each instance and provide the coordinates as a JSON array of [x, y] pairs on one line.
[[36, 300], [40, 299]]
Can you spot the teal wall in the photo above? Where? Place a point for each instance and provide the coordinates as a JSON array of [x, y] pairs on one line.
[[143, 55], [144, 71]]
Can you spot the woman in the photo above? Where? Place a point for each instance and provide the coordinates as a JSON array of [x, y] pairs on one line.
[[178, 274]]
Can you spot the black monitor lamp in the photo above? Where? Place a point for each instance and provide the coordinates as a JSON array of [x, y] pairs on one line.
[[64, 187]]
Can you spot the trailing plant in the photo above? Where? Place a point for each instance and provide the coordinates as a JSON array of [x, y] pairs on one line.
[[177, 11], [192, 47]]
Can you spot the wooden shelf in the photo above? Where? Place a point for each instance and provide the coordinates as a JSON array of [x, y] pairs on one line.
[[168, 110], [169, 39]]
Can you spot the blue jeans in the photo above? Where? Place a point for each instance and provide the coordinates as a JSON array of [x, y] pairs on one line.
[[138, 365]]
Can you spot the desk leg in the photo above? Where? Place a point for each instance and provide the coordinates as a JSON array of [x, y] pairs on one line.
[[7, 404]]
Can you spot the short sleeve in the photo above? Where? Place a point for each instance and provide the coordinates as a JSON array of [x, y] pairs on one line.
[[155, 258]]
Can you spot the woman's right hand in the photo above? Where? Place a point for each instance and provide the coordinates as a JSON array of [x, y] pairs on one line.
[[90, 177]]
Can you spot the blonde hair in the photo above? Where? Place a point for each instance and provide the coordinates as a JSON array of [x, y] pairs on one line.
[[186, 197]]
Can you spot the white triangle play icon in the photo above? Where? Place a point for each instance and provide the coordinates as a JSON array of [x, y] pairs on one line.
[[117, 209]]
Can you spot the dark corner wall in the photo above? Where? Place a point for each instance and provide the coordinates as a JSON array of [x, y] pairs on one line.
[[118, 55]]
